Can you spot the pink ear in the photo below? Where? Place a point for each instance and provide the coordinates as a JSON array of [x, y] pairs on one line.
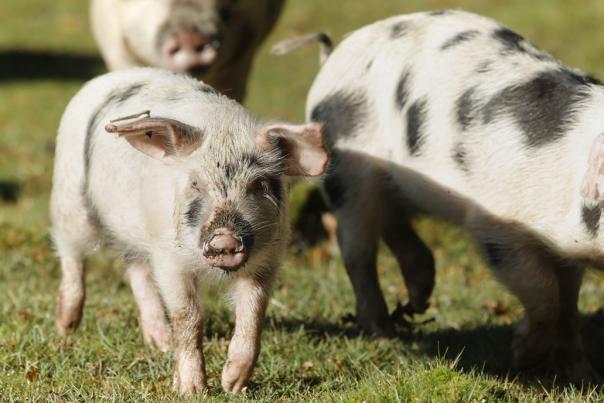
[[159, 137], [593, 182], [305, 154]]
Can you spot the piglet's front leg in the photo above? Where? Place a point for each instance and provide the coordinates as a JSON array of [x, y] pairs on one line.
[[250, 296], [179, 293]]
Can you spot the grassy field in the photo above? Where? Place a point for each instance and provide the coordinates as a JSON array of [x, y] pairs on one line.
[[310, 350]]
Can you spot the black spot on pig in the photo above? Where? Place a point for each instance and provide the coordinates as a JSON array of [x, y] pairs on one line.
[[402, 92], [92, 124], [466, 108], [416, 118], [514, 43], [399, 29], [193, 212], [229, 171], [341, 114], [590, 215], [510, 40], [114, 98], [543, 107], [369, 64], [206, 89], [126, 93], [440, 13], [460, 38], [484, 67], [460, 156], [494, 253]]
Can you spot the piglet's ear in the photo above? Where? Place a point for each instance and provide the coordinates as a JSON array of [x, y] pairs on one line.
[[593, 182], [159, 137], [302, 146]]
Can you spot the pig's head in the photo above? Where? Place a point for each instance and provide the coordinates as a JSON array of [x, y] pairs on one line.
[[232, 207], [192, 36]]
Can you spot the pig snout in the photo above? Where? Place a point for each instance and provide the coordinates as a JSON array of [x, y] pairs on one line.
[[190, 51], [225, 250]]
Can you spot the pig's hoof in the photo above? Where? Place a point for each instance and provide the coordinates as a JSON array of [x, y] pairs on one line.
[[189, 383], [65, 328], [236, 373], [156, 334], [532, 349], [579, 373], [572, 365], [383, 329], [68, 318]]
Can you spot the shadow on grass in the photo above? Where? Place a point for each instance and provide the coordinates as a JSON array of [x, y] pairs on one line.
[[9, 191], [18, 64], [484, 349]]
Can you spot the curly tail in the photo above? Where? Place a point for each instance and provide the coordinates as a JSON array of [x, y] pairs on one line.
[[288, 45]]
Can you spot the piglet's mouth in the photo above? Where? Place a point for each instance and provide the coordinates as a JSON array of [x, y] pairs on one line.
[[225, 250]]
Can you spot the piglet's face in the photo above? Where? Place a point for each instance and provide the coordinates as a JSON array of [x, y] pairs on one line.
[[180, 35], [233, 210], [237, 207]]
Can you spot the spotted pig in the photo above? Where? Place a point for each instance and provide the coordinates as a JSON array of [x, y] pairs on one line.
[[455, 115]]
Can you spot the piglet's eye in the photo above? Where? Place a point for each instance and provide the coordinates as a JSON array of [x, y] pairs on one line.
[[259, 186]]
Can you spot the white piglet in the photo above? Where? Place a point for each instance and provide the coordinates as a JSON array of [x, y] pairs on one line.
[[213, 40], [452, 114], [183, 182]]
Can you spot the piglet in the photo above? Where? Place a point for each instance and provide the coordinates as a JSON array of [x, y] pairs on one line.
[[455, 115], [185, 185], [213, 40]]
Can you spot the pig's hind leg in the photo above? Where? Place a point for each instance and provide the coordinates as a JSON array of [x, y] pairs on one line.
[[548, 288], [153, 323], [569, 356], [357, 208], [414, 258], [72, 247], [74, 237], [528, 269]]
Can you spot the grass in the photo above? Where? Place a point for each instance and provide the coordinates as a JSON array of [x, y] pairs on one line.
[[310, 350]]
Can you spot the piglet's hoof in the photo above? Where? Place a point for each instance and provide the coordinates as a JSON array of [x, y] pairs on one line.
[[69, 314], [403, 315], [379, 329], [236, 373], [156, 334], [189, 382], [572, 365]]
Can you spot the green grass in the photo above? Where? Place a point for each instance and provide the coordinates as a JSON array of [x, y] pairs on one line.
[[310, 351]]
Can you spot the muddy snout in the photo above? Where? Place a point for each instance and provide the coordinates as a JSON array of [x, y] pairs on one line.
[[225, 249], [190, 51]]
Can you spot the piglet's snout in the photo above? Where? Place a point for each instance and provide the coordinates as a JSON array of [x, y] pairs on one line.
[[189, 50], [225, 250]]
